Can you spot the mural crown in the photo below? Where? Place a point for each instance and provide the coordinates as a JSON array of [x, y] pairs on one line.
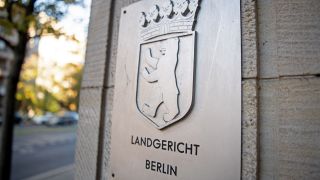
[[173, 16]]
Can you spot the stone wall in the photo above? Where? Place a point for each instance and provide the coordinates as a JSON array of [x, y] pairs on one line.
[[289, 44], [280, 89], [92, 102]]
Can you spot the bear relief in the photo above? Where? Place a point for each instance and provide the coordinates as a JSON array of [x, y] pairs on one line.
[[162, 71]]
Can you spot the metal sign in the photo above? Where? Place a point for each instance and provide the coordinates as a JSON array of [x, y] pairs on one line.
[[178, 60]]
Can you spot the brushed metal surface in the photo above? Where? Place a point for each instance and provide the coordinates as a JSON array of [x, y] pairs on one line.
[[206, 143]]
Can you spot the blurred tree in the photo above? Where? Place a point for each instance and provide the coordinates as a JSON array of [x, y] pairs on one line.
[[26, 93], [68, 86], [61, 95], [30, 96], [21, 21]]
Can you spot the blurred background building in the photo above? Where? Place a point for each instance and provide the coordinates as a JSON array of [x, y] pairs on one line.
[[47, 95]]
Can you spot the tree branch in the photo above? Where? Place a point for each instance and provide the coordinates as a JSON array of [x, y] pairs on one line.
[[30, 7], [8, 44], [8, 6]]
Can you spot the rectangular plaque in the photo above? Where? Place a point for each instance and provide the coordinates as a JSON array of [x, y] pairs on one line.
[[177, 102]]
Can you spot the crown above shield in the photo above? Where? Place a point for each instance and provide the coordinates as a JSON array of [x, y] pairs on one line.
[[173, 16]]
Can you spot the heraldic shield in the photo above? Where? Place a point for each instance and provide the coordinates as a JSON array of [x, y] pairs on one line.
[[165, 79], [164, 91]]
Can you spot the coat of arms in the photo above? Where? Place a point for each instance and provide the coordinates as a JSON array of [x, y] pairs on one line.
[[166, 61]]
